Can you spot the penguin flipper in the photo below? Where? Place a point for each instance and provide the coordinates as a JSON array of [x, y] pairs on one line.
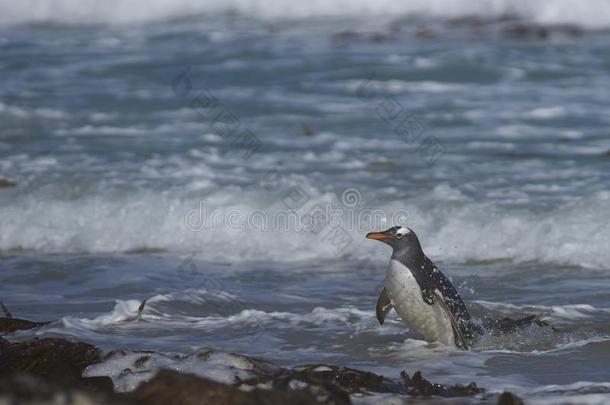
[[459, 338], [384, 305], [428, 295]]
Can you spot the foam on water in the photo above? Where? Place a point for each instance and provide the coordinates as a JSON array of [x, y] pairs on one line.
[[125, 315], [158, 315], [450, 226], [128, 370], [557, 313]]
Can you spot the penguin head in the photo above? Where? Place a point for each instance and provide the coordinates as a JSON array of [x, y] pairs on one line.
[[399, 238]]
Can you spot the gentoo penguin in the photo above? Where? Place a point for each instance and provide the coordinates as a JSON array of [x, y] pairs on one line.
[[423, 297]]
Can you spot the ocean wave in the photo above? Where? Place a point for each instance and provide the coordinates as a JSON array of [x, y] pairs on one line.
[[451, 227], [580, 392], [557, 313], [586, 13], [125, 315]]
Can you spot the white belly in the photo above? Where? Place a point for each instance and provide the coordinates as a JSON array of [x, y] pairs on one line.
[[430, 321]]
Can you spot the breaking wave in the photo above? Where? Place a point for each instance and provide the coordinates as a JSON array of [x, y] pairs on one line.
[[451, 229]]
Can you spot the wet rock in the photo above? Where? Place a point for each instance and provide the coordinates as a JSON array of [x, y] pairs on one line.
[[56, 360], [379, 37], [323, 378], [352, 380], [425, 33], [523, 31], [342, 38], [130, 368], [529, 31], [418, 386], [8, 325], [28, 389], [141, 361], [508, 398], [330, 384], [3, 344], [246, 380], [476, 22], [4, 183], [171, 387]]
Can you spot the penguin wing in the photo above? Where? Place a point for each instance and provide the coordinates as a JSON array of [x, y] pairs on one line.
[[460, 341], [434, 282], [439, 288], [384, 305]]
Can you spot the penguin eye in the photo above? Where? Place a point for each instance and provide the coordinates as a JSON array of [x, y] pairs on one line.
[[399, 235]]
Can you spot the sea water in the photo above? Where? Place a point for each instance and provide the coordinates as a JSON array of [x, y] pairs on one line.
[[223, 161]]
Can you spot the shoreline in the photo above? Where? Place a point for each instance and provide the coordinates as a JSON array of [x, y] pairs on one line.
[[38, 370]]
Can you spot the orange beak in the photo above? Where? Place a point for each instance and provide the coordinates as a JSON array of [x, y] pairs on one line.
[[378, 236]]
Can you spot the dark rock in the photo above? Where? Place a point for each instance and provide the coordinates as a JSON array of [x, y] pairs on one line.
[[28, 389], [523, 31], [4, 183], [508, 398], [8, 325], [57, 360], [61, 363], [3, 344], [170, 387], [141, 361], [379, 37], [352, 380], [327, 378], [526, 31], [425, 33], [321, 384], [476, 22], [341, 38], [419, 386]]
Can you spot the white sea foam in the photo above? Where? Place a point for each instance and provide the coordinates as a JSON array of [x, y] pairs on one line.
[[547, 112], [564, 313], [576, 398], [572, 387], [451, 227], [129, 370], [401, 86], [40, 113], [125, 316], [587, 13]]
